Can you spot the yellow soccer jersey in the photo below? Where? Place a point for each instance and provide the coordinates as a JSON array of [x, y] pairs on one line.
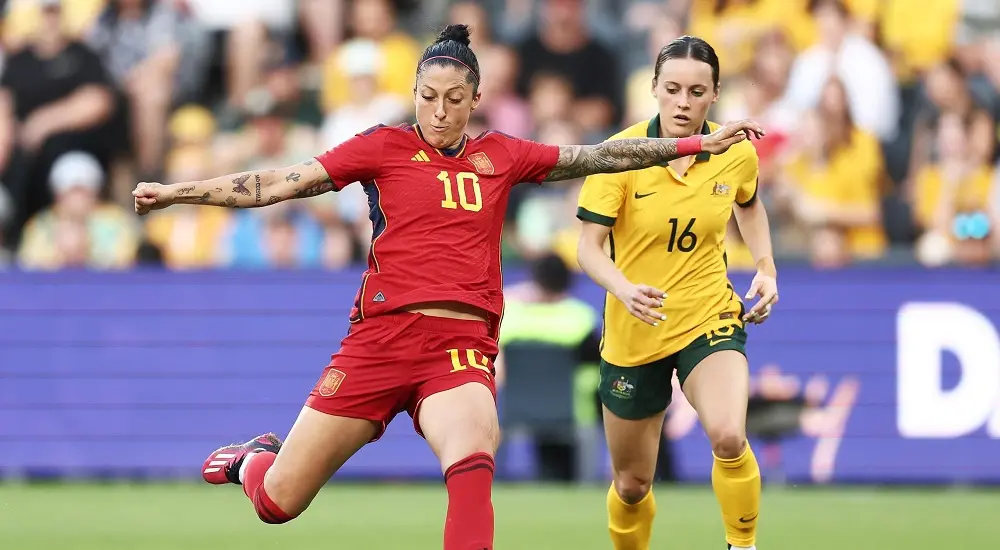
[[668, 231]]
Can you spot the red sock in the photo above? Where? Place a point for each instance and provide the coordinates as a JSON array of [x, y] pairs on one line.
[[470, 506], [253, 486]]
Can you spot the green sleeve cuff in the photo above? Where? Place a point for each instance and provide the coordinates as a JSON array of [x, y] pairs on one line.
[[588, 216], [752, 199]]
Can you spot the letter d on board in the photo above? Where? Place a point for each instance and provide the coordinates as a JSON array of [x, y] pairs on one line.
[[926, 410]]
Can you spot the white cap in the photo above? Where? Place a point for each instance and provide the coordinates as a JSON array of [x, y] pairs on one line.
[[360, 58], [76, 169]]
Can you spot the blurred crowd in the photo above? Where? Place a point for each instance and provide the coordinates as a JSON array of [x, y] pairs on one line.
[[882, 118]]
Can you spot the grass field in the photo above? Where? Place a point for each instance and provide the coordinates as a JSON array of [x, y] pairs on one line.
[[383, 517]]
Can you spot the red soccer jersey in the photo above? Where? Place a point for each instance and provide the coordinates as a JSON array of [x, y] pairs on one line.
[[437, 219]]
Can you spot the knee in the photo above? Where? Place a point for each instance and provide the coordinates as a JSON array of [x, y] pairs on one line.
[[727, 442], [632, 488]]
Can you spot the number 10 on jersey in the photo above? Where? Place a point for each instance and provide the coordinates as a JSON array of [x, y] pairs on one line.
[[463, 180]]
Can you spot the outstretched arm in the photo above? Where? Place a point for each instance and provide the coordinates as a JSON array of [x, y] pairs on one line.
[[242, 190], [622, 155]]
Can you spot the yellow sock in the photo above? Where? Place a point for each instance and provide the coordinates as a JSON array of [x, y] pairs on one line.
[[736, 483], [630, 525]]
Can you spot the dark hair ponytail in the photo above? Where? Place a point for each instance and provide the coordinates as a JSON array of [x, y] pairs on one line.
[[689, 47], [452, 49]]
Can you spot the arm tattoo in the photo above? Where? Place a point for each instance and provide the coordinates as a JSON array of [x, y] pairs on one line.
[[239, 183], [324, 185], [621, 155], [312, 191], [268, 188]]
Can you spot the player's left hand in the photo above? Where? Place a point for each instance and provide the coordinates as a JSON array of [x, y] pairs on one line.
[[765, 286]]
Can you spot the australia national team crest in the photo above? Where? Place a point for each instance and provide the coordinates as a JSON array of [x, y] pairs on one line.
[[331, 382], [622, 388], [720, 190], [482, 163]]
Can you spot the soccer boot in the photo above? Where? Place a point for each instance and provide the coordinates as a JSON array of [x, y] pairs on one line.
[[223, 465]]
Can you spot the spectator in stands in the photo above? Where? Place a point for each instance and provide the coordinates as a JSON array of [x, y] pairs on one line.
[[734, 26], [542, 311], [952, 201], [22, 19], [551, 99], [857, 62], [151, 53], [562, 45], [138, 42], [917, 39], [948, 92], [189, 237], [538, 215], [361, 61], [502, 109], [374, 20], [639, 101], [760, 94], [322, 23], [282, 236], [346, 213], [240, 31], [500, 106], [78, 230], [55, 97], [832, 185]]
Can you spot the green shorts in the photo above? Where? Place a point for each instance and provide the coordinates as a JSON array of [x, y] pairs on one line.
[[634, 393]]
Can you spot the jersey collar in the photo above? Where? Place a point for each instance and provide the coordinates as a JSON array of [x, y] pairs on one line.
[[653, 131], [453, 153]]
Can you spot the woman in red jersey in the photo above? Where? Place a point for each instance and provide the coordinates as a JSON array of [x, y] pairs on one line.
[[426, 317]]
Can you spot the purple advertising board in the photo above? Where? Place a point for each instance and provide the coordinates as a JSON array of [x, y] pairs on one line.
[[143, 374]]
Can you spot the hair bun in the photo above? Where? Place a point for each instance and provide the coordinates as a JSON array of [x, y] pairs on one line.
[[458, 33]]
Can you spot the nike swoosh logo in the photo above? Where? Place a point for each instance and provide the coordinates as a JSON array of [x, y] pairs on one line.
[[748, 520], [719, 341], [638, 196]]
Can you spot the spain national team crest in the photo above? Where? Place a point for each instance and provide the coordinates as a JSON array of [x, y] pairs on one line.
[[331, 382], [482, 163], [720, 190]]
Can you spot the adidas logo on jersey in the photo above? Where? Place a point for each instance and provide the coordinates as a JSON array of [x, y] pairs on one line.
[[421, 157], [379, 298]]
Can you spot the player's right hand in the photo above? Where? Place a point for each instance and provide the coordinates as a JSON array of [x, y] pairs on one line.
[[642, 302], [721, 140], [151, 196]]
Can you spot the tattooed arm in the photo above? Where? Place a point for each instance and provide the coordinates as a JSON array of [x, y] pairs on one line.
[[622, 155], [243, 190]]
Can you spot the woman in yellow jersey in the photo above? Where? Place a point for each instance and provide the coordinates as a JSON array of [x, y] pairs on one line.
[[671, 307]]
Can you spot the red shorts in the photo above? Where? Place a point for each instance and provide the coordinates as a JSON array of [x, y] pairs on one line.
[[390, 363]]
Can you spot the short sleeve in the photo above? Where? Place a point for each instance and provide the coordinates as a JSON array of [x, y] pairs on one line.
[[748, 174], [533, 161], [601, 197], [357, 159]]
